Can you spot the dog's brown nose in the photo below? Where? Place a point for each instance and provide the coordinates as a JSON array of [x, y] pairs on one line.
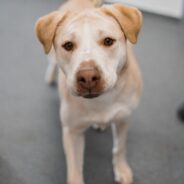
[[88, 78]]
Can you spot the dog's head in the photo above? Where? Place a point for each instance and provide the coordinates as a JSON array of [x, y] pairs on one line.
[[90, 46]]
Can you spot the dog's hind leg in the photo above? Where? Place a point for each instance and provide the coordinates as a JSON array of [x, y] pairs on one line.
[[51, 72]]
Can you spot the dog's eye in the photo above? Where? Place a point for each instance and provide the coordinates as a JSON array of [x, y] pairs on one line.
[[109, 41], [68, 46]]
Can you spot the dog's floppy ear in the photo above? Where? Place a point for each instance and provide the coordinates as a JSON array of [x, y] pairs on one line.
[[46, 28], [129, 19]]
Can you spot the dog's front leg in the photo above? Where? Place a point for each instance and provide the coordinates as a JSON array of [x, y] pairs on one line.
[[74, 148], [122, 171]]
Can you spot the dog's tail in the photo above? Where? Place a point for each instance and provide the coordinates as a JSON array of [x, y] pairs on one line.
[[97, 2]]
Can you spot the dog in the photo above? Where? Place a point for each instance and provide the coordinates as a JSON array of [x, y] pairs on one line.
[[99, 78]]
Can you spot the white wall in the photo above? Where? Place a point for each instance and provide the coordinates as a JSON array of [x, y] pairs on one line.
[[173, 8]]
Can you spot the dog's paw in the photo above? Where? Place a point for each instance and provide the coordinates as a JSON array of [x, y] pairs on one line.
[[99, 127], [74, 182], [123, 174]]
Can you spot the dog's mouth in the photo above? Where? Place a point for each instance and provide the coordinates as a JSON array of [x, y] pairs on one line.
[[90, 95]]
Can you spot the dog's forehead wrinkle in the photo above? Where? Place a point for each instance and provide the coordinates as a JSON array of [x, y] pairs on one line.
[[91, 16]]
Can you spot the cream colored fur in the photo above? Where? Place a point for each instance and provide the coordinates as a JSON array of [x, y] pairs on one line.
[[118, 66]]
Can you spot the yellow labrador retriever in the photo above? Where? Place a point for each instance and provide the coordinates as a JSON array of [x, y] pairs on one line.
[[99, 79]]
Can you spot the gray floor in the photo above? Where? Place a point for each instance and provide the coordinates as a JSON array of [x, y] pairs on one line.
[[30, 140]]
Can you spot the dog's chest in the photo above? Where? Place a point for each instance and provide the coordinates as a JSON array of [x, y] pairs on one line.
[[106, 111]]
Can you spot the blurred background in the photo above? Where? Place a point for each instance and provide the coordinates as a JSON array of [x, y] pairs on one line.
[[31, 150]]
